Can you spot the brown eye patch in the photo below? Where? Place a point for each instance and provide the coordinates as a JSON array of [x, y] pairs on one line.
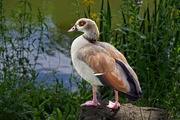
[[82, 23]]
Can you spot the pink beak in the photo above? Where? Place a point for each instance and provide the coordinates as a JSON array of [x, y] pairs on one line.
[[73, 29]]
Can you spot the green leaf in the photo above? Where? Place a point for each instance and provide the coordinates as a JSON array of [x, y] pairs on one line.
[[59, 114]]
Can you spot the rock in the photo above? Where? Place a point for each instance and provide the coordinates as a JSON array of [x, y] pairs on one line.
[[125, 112]]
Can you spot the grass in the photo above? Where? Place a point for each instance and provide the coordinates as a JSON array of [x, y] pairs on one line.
[[150, 42]]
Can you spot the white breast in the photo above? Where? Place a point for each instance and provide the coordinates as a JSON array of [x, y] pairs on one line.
[[82, 68]]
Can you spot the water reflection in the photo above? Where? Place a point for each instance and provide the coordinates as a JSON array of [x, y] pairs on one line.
[[55, 62]]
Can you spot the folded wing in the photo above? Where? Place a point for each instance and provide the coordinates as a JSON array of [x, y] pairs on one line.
[[111, 67]]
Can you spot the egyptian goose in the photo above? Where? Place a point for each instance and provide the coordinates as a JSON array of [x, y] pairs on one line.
[[99, 63]]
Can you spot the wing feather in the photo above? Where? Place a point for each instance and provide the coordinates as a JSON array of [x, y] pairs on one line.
[[112, 68], [118, 56], [101, 61]]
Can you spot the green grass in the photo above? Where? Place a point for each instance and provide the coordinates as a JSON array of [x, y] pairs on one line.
[[150, 42]]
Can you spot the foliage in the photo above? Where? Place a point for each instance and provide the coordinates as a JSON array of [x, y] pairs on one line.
[[149, 39], [150, 43], [21, 95]]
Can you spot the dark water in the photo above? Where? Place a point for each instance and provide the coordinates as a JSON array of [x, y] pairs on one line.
[[64, 12]]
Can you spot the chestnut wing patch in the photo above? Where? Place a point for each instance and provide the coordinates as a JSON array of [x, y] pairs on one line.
[[96, 58], [104, 66], [118, 56]]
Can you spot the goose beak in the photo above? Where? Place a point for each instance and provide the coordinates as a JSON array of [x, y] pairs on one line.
[[73, 29]]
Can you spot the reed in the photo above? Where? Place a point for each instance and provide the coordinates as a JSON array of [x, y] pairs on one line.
[[21, 95], [149, 39], [18, 95], [150, 44]]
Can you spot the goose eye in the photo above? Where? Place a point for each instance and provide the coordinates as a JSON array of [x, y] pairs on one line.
[[82, 23]]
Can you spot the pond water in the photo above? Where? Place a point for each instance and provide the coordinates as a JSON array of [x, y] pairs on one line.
[[63, 12], [60, 16]]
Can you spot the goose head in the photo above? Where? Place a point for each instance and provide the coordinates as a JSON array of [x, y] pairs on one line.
[[88, 27]]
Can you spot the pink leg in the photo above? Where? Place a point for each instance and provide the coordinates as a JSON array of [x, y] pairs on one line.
[[115, 105], [94, 102]]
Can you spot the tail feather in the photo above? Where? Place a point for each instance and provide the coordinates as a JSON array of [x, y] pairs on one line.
[[135, 92]]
